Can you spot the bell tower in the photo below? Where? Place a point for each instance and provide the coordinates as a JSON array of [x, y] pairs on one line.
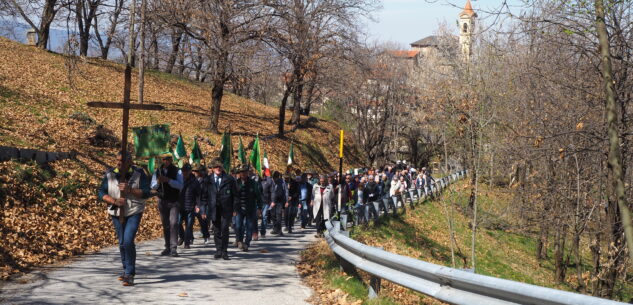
[[466, 28]]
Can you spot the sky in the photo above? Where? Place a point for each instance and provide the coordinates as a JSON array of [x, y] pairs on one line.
[[405, 21]]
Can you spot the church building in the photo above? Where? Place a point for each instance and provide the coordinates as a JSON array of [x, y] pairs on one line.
[[434, 45]]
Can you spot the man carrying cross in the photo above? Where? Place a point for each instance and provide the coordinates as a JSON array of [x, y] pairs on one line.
[[126, 192]]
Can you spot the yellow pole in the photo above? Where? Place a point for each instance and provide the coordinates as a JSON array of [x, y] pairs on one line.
[[340, 182], [341, 146]]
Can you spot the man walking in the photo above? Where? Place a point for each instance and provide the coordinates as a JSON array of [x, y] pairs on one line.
[[189, 200], [305, 196], [248, 206], [127, 198], [221, 200], [278, 200], [293, 202], [267, 193], [201, 214], [322, 197], [167, 181]]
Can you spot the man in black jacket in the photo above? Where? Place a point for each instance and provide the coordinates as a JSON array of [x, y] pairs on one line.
[[267, 192], [371, 195], [278, 199], [293, 202], [200, 172], [222, 192], [305, 197], [189, 201], [167, 182], [248, 205]]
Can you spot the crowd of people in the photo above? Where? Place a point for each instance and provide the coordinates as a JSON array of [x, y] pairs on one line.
[[251, 205]]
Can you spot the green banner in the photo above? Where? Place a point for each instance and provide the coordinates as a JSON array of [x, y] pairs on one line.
[[226, 152], [150, 141], [180, 151], [241, 154], [255, 157], [196, 153]]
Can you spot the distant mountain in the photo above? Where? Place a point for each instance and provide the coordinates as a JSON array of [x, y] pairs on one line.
[[16, 31]]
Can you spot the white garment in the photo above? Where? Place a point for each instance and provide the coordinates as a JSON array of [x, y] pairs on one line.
[[326, 200]]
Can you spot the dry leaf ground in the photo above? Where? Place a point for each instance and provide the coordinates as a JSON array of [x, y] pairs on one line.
[[50, 213]]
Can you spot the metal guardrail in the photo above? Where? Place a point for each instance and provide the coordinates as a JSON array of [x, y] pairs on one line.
[[446, 284]]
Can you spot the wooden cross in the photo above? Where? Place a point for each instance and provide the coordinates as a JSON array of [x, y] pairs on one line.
[[126, 106]]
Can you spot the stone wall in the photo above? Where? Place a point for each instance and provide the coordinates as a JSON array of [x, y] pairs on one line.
[[8, 153]]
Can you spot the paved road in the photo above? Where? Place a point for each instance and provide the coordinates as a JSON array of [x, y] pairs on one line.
[[264, 275]]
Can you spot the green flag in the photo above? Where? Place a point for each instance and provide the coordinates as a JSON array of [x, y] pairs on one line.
[[226, 152], [150, 141], [196, 153], [291, 154], [254, 158], [241, 154], [151, 165], [180, 151]]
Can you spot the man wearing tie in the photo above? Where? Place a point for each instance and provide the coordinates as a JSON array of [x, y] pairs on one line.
[[221, 200]]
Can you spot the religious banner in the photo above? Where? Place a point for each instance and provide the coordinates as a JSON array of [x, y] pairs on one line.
[[150, 141]]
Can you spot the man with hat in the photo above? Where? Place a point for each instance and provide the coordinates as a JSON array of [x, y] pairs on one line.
[[222, 192], [247, 207], [167, 182], [200, 171]]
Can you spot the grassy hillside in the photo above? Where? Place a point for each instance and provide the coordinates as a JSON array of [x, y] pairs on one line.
[[51, 212], [501, 251]]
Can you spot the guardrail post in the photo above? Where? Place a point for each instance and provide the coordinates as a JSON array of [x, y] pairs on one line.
[[345, 266], [374, 284], [344, 221]]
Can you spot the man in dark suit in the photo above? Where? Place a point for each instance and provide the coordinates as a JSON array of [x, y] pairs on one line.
[[222, 192]]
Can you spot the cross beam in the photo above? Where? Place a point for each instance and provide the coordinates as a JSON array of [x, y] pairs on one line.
[[125, 106]]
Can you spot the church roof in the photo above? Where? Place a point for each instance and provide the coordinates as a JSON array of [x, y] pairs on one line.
[[429, 41], [468, 10], [404, 53]]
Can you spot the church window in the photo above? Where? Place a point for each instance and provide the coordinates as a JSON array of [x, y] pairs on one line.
[[465, 28]]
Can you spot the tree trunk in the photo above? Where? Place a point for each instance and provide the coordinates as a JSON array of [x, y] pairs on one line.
[[154, 47], [105, 47], [615, 156], [176, 37], [141, 68], [45, 23], [541, 245], [310, 96], [595, 257], [84, 22], [296, 97], [199, 64], [282, 110], [559, 250], [217, 92]]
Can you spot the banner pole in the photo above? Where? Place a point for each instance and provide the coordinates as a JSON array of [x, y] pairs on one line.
[[340, 181]]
